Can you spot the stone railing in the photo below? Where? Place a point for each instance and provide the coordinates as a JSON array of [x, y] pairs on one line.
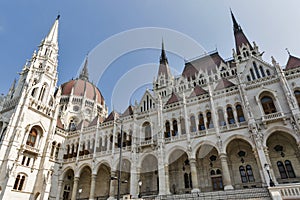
[[273, 117], [286, 191], [31, 149]]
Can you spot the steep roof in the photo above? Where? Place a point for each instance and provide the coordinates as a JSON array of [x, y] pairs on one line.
[[198, 91], [111, 116], [174, 98], [206, 63], [293, 62], [223, 83], [128, 111], [59, 123]]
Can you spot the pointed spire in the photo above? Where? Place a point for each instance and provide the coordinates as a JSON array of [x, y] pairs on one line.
[[239, 36], [163, 57], [236, 26], [84, 74], [52, 36]]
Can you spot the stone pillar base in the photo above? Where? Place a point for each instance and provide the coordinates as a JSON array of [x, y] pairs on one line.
[[195, 190], [228, 187]]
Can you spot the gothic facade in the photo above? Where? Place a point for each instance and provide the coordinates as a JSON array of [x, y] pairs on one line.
[[223, 125]]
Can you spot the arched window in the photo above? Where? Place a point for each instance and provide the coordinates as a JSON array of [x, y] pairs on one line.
[[289, 169], [193, 123], [252, 74], [240, 113], [297, 95], [243, 174], [248, 78], [42, 93], [32, 137], [230, 115], [209, 123], [256, 70], [249, 173], [175, 128], [57, 150], [147, 131], [281, 170], [262, 71], [19, 182], [168, 129], [201, 122], [182, 126], [268, 72], [268, 105], [221, 117], [219, 171], [186, 181], [53, 148], [212, 172]]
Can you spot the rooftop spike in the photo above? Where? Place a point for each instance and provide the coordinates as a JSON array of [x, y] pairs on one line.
[[52, 36], [84, 74], [163, 57], [236, 26]]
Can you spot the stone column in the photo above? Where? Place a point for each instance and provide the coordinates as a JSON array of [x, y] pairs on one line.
[[225, 172], [134, 174], [167, 190], [112, 186], [75, 186], [93, 184], [162, 179], [194, 175], [260, 168], [60, 182]]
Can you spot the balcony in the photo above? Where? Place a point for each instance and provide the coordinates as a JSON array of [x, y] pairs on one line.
[[29, 149], [273, 117]]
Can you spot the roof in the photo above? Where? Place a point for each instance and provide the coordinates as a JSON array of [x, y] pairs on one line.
[[82, 88], [224, 83], [206, 63], [59, 123], [174, 98], [111, 116], [198, 91], [128, 111], [293, 62]]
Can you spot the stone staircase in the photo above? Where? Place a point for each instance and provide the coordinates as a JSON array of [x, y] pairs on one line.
[[250, 194]]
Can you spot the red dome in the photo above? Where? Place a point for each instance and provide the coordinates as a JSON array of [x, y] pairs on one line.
[[82, 88]]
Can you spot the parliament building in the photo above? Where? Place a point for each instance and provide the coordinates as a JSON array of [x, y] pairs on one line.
[[224, 128]]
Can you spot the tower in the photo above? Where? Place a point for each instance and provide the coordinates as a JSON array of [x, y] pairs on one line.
[[28, 120]]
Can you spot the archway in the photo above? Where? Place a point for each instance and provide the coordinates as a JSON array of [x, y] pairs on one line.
[[68, 182], [103, 181], [284, 156], [242, 164], [84, 184], [149, 175], [125, 177], [179, 172], [209, 168]]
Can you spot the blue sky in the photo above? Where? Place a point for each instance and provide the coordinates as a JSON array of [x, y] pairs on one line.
[[85, 25]]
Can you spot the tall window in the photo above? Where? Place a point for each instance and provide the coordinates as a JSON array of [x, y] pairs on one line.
[[243, 174], [53, 148], [57, 150], [268, 105], [252, 74], [32, 137], [175, 128], [230, 115], [201, 122], [209, 123], [240, 113], [168, 129], [221, 117], [42, 93], [286, 170], [262, 71], [193, 123], [19, 182], [249, 173], [147, 130], [256, 70], [297, 95]]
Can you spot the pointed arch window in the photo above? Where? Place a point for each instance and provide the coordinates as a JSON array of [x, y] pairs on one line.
[[268, 105], [168, 129], [289, 169], [32, 137], [249, 172], [262, 71], [252, 74], [201, 122], [281, 170], [268, 72], [297, 95], [240, 113], [42, 93], [256, 70], [209, 123], [230, 115], [243, 174], [19, 182], [175, 128], [193, 123]]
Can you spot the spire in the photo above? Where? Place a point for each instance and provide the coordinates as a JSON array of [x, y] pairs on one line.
[[163, 63], [239, 36], [84, 74], [52, 36], [163, 57]]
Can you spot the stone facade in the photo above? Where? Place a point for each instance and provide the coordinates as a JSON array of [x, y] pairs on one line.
[[222, 125]]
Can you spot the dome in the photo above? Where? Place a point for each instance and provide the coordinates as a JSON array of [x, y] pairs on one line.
[[82, 87]]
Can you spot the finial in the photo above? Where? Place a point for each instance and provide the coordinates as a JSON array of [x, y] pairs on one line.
[[287, 50], [58, 16]]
